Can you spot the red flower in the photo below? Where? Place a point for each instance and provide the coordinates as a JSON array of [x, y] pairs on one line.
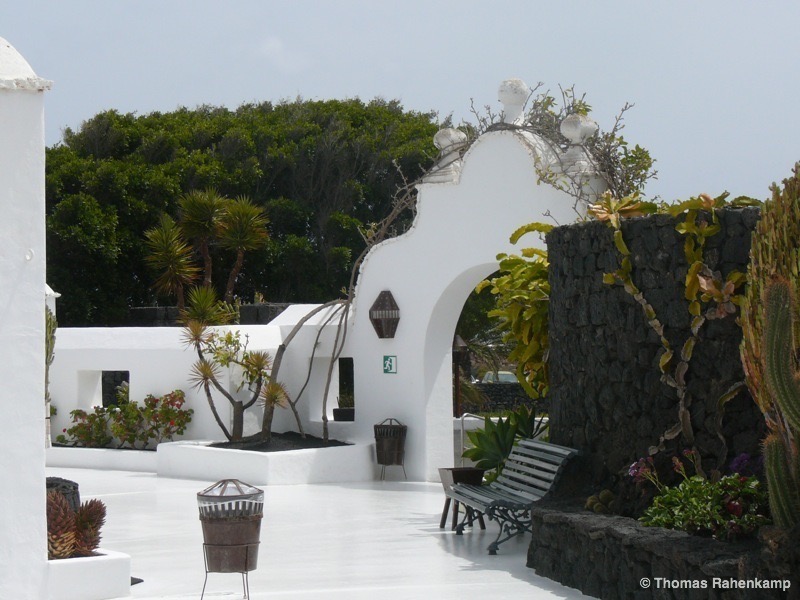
[[734, 508]]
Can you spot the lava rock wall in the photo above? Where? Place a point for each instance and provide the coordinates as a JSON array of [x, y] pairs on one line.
[[606, 394]]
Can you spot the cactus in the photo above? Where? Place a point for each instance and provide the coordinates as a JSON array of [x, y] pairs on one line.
[[783, 385], [49, 346], [783, 380], [775, 250], [770, 331], [601, 503], [784, 496]]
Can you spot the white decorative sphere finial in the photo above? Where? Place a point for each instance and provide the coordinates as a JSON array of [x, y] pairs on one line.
[[578, 128], [513, 93], [449, 141]]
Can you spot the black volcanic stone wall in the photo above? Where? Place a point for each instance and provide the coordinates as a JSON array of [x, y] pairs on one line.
[[606, 397], [609, 556]]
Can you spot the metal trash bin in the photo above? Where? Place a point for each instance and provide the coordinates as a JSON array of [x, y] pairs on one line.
[[231, 513], [390, 443]]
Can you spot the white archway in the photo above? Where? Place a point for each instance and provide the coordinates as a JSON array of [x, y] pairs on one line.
[[465, 215]]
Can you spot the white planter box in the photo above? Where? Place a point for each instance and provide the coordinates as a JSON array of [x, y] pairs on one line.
[[107, 575], [196, 460]]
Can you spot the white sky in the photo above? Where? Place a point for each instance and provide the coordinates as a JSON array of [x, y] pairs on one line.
[[715, 84]]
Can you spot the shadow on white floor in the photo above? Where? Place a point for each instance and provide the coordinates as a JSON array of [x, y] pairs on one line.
[[376, 541]]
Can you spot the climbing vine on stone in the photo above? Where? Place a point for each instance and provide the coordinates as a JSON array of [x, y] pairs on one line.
[[708, 295]]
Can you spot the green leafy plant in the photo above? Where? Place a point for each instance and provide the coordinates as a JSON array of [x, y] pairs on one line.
[[492, 444], [89, 429], [521, 308], [346, 400], [131, 425], [729, 508]]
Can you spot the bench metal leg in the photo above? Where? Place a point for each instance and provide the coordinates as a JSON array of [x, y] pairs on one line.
[[447, 501], [470, 516], [513, 522]]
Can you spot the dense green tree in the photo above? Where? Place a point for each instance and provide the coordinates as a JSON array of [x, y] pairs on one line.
[[319, 170]]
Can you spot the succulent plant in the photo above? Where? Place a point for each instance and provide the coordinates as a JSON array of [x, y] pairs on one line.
[[782, 465], [601, 503], [91, 516], [771, 331], [61, 534], [70, 533]]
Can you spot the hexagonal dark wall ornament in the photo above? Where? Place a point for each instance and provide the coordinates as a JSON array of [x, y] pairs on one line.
[[385, 315]]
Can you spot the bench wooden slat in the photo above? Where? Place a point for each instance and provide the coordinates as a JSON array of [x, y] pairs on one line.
[[530, 471]]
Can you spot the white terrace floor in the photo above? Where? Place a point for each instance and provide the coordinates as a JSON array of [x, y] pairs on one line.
[[376, 540]]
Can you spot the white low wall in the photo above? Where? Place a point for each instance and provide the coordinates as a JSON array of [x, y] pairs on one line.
[[103, 459], [101, 577], [196, 460]]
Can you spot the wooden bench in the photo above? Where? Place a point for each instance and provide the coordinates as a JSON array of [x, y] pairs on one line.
[[529, 473]]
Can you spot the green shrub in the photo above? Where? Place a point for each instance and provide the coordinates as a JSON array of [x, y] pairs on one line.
[[727, 509], [133, 426], [734, 506], [89, 429]]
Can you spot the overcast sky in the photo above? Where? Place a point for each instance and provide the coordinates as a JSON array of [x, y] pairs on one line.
[[715, 84]]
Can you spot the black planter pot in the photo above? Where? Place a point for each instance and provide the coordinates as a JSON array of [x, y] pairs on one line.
[[344, 414]]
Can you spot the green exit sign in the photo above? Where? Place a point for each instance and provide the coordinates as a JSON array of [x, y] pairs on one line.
[[390, 364]]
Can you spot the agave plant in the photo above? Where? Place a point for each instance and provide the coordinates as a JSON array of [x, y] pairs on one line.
[[491, 445]]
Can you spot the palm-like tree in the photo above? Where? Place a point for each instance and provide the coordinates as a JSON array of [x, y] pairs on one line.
[[171, 256], [200, 215], [243, 227]]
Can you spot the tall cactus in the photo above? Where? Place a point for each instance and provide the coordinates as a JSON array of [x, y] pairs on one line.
[[771, 330], [783, 385], [50, 326], [775, 250]]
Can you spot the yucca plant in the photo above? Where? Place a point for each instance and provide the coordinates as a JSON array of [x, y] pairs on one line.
[[242, 227], [200, 215], [205, 307], [227, 350], [171, 256]]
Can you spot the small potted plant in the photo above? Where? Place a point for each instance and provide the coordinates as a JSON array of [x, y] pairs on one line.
[[346, 410]]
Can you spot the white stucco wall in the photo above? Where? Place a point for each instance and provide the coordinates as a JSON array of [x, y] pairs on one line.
[[431, 270], [159, 362], [23, 553]]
